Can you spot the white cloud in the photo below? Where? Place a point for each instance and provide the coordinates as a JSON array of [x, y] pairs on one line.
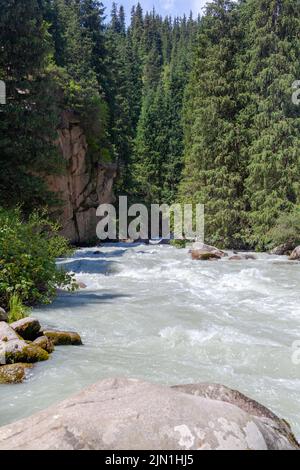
[[168, 5]]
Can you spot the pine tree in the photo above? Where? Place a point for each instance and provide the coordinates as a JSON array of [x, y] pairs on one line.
[[214, 169], [29, 119], [272, 66]]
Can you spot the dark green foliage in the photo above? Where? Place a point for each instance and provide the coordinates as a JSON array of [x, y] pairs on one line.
[[28, 251], [241, 129], [214, 168], [273, 65], [29, 119], [286, 229], [165, 63]]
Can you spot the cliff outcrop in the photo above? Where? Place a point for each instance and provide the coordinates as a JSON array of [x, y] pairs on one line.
[[82, 186]]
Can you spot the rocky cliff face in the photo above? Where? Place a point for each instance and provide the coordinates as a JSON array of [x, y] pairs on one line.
[[83, 186]]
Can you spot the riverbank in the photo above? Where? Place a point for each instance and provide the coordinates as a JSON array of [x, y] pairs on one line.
[[153, 313]]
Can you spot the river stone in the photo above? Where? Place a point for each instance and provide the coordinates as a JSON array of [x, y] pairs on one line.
[[7, 333], [17, 350], [13, 373], [81, 285], [45, 343], [284, 249], [3, 315], [28, 328], [202, 255], [295, 256], [248, 256], [197, 246], [241, 257], [124, 414], [252, 407], [63, 338]]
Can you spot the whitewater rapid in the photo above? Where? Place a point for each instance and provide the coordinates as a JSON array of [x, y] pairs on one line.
[[151, 312]]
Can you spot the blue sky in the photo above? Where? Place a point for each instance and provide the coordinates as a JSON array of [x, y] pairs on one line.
[[165, 7]]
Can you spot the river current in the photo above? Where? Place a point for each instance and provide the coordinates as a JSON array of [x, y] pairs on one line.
[[153, 313]]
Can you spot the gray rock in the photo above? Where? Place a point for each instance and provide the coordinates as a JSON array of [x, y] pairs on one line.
[[227, 395], [28, 328], [295, 256], [284, 249], [7, 333], [242, 256], [197, 246], [3, 315], [123, 414]]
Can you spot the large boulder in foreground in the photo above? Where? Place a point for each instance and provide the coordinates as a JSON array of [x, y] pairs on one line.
[[295, 256], [28, 328], [13, 373], [63, 338], [124, 414]]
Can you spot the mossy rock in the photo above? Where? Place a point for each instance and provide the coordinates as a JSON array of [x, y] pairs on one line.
[[64, 338], [28, 328], [13, 373], [45, 343], [19, 351]]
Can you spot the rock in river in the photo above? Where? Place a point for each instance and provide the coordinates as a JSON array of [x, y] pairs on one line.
[[7, 333], [63, 338], [14, 349], [295, 256], [18, 350], [45, 343], [28, 328], [13, 373], [124, 414], [202, 252]]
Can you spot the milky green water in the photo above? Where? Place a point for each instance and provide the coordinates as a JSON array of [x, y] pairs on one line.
[[153, 313]]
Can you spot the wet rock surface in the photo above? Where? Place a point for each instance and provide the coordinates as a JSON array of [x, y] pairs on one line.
[[129, 414]]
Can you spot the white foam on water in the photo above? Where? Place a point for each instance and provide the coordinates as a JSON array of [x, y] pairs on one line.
[[153, 313]]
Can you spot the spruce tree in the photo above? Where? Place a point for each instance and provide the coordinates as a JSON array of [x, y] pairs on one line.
[[29, 119], [272, 66], [214, 168]]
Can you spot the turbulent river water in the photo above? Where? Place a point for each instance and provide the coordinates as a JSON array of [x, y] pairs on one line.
[[153, 313]]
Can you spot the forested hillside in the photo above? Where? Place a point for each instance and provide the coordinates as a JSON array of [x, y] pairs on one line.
[[190, 109]]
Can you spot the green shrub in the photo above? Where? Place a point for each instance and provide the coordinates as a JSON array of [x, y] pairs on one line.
[[179, 243], [28, 252], [286, 230], [17, 310]]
